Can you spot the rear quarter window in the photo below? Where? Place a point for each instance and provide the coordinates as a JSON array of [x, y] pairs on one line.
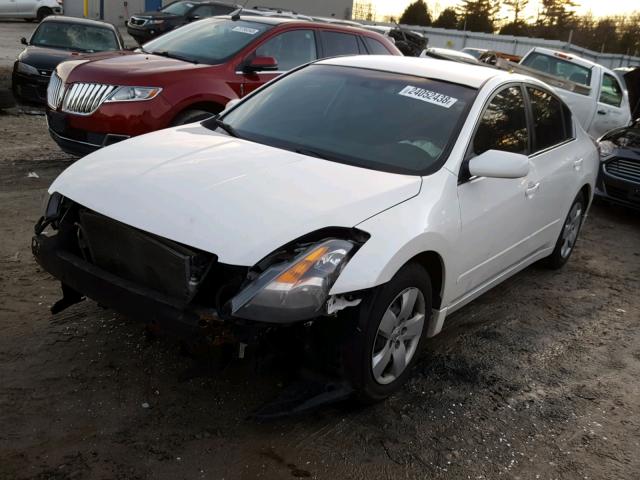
[[552, 124]]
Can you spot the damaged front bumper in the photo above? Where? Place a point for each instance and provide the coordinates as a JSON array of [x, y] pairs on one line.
[[81, 278]]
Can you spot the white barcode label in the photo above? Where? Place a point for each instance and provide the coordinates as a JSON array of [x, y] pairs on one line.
[[428, 96]]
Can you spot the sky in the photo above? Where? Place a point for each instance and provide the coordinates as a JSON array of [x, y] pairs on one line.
[[597, 7]]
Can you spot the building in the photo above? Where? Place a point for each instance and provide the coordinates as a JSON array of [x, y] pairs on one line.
[[118, 11]]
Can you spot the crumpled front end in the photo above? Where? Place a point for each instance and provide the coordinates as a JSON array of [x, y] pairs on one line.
[[181, 288]]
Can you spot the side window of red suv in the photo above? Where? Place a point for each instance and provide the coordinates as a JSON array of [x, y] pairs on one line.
[[290, 49], [336, 43]]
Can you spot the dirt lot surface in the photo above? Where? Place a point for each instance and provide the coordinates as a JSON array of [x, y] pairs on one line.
[[537, 379]]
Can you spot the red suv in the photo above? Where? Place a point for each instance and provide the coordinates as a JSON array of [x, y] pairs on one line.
[[187, 75]]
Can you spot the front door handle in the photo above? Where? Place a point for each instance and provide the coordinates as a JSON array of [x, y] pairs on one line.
[[602, 112], [577, 164], [531, 189]]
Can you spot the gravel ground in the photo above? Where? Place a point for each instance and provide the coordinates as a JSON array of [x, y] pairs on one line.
[[537, 379]]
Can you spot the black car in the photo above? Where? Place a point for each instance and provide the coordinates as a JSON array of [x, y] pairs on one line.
[[619, 176], [57, 39], [145, 26]]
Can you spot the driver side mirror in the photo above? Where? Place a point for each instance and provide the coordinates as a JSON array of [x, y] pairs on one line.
[[260, 64], [23, 41], [499, 164]]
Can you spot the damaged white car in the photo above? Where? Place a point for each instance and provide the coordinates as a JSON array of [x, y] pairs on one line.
[[375, 195]]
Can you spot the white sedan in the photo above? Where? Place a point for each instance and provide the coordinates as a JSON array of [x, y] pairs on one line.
[[369, 195]]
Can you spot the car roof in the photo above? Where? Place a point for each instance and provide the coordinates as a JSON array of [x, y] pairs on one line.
[[246, 16], [79, 21], [461, 73]]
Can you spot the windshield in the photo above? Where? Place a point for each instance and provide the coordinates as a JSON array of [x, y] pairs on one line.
[[558, 68], [70, 36], [207, 41], [378, 120], [177, 8]]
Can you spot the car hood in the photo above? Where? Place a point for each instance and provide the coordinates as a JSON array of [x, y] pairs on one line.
[[237, 199], [156, 15], [121, 68], [48, 58]]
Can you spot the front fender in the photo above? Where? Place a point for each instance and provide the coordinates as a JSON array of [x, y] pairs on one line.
[[428, 222]]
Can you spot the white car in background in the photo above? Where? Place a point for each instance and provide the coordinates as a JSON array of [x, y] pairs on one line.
[[370, 197], [30, 9]]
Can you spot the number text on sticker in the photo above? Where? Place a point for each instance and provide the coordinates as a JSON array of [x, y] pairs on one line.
[[428, 96]]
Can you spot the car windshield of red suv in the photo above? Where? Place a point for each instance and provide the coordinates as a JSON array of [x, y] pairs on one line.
[[209, 41], [84, 38]]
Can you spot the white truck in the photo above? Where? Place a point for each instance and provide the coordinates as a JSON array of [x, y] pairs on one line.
[[592, 91]]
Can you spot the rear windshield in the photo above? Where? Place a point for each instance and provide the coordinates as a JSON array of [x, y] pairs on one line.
[[177, 8], [378, 120], [558, 68], [70, 36], [210, 41]]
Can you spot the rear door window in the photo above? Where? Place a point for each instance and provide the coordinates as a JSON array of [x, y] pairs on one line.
[[503, 125], [375, 47], [610, 93], [558, 68], [550, 123], [291, 49], [336, 44]]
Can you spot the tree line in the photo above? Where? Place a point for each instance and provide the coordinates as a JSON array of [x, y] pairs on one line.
[[555, 20]]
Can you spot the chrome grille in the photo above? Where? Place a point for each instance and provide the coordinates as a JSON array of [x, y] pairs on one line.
[[85, 98], [623, 168], [137, 21], [55, 91]]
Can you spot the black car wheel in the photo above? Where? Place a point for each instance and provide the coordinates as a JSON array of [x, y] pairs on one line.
[[43, 13]]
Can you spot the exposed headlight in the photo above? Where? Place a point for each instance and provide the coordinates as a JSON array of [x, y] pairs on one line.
[[27, 69], [294, 290], [606, 149], [132, 94]]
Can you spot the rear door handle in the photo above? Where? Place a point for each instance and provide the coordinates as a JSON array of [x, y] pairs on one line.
[[531, 189], [602, 112], [577, 164]]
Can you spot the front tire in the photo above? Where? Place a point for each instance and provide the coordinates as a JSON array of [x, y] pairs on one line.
[[43, 13], [390, 327], [569, 234]]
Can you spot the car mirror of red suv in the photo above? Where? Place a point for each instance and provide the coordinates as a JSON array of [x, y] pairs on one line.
[[259, 64]]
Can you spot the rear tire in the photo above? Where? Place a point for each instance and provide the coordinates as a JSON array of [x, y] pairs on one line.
[[569, 234], [387, 335], [43, 13], [191, 116]]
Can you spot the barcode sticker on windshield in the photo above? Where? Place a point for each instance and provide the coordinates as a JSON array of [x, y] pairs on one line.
[[428, 96], [250, 31]]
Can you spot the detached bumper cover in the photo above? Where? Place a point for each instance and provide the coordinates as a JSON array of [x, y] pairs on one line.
[[124, 296]]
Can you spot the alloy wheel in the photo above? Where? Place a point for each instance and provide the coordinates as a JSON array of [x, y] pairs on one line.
[[571, 229], [398, 335]]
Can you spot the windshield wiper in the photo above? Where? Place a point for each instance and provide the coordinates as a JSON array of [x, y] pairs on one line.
[[165, 53], [219, 123], [311, 153]]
